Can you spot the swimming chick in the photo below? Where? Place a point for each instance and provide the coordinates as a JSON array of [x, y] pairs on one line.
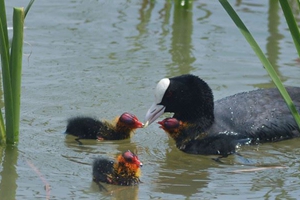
[[223, 144], [90, 128], [124, 171]]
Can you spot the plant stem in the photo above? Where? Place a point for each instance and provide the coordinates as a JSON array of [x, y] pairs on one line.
[[4, 23], [4, 59], [16, 68], [294, 30], [6, 82]]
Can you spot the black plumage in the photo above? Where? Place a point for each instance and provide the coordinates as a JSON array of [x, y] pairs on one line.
[[223, 143], [260, 115], [90, 128]]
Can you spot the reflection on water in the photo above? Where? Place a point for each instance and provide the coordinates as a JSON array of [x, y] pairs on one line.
[[117, 192], [272, 47], [8, 184], [182, 29], [179, 174], [102, 58]]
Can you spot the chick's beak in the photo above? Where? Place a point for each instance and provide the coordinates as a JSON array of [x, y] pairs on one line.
[[138, 124], [161, 123]]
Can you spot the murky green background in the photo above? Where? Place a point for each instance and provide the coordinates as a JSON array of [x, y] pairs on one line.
[[102, 58]]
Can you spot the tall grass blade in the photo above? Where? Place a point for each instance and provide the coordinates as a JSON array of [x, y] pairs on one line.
[[28, 7], [287, 11], [5, 68], [6, 84], [16, 69], [4, 23], [272, 73]]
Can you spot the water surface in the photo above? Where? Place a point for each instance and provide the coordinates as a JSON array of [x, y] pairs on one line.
[[102, 58]]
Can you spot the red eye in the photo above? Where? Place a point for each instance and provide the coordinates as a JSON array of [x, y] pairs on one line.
[[169, 93]]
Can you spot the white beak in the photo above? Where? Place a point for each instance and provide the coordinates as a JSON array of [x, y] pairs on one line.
[[153, 113]]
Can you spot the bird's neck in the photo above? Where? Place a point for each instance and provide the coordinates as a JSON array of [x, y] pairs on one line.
[[199, 118], [123, 130], [126, 175]]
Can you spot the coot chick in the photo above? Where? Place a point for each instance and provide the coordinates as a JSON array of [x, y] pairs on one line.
[[124, 171], [260, 115], [224, 143], [90, 128]]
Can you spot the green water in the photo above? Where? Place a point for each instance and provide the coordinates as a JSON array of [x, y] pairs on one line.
[[102, 58]]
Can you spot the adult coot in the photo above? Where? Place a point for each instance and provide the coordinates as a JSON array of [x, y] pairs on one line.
[[257, 116]]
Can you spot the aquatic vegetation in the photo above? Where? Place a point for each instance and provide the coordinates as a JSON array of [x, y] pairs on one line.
[[11, 63]]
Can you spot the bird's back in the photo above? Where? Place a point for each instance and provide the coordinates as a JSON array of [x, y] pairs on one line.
[[102, 170], [84, 127], [261, 114]]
